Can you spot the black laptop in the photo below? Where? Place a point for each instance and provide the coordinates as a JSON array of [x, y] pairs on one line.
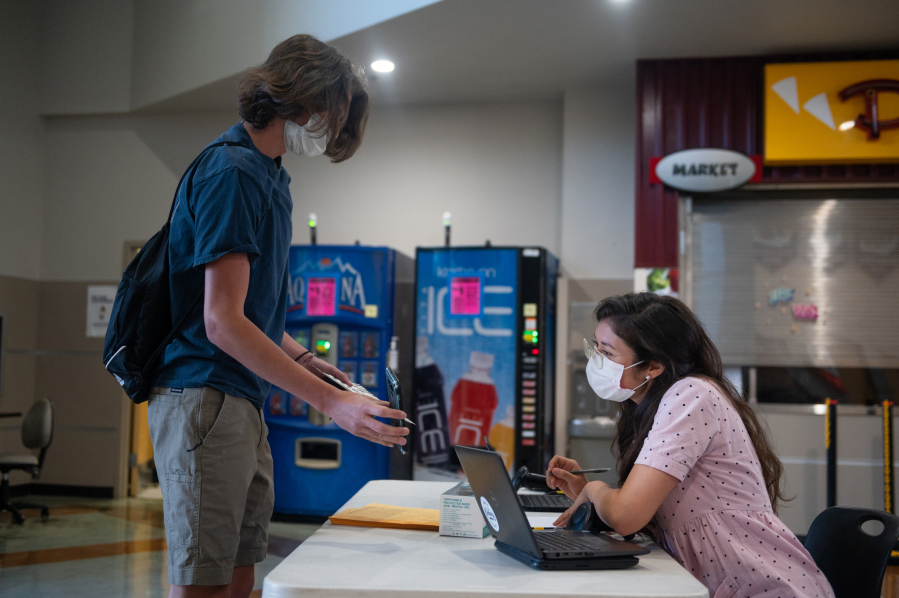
[[550, 549]]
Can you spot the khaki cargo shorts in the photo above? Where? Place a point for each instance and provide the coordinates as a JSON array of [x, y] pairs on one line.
[[215, 472]]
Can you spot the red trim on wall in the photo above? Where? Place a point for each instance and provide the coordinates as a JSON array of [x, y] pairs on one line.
[[653, 177], [691, 103], [759, 168]]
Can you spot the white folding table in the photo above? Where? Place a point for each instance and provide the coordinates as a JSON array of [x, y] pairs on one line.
[[341, 560]]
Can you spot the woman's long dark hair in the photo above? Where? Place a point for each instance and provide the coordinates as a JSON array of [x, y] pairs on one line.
[[663, 329]]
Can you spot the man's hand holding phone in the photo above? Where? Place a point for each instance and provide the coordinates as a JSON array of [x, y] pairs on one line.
[[357, 414]]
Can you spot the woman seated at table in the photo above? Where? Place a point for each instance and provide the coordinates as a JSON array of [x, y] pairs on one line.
[[694, 463]]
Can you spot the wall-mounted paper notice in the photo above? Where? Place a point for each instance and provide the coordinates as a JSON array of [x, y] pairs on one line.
[[99, 308], [321, 298], [465, 296]]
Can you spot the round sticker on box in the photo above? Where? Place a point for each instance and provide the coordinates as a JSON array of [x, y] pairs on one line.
[[489, 514]]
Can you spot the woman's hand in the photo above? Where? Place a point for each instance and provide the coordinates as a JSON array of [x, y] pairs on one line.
[[327, 368], [558, 478], [591, 492], [629, 508]]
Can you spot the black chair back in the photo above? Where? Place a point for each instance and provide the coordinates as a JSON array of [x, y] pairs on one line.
[[846, 546], [37, 428]]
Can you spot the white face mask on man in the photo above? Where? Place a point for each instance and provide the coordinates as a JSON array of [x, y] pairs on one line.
[[604, 376], [299, 139]]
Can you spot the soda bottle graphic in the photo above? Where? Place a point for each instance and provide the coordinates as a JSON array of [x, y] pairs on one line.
[[276, 403], [432, 443], [347, 349], [502, 437], [473, 402], [368, 376], [369, 346], [298, 407]]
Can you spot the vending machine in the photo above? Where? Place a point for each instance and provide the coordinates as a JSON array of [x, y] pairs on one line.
[[484, 356], [348, 305]]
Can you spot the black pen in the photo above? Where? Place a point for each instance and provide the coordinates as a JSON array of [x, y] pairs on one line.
[[594, 470]]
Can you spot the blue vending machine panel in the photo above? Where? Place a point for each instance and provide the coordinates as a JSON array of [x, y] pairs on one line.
[[484, 329], [317, 468]]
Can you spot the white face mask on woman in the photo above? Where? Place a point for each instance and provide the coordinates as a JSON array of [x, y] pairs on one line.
[[300, 141], [604, 376]]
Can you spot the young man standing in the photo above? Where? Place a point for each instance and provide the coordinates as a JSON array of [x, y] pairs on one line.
[[230, 235]]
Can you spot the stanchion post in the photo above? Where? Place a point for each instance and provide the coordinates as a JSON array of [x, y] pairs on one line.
[[888, 494], [830, 442]]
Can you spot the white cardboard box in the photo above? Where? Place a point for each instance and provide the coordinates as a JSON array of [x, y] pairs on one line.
[[459, 513]]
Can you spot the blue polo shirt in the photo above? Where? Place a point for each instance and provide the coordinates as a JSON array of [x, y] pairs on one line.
[[236, 200]]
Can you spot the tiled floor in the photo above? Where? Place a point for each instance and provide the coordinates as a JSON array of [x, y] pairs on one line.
[[116, 548], [104, 548]]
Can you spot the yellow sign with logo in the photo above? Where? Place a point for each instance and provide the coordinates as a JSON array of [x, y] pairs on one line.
[[832, 112]]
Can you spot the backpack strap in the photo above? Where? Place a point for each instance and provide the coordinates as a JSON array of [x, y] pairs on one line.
[[151, 362]]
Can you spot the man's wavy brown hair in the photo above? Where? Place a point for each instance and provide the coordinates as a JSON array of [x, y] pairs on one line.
[[663, 329], [304, 74]]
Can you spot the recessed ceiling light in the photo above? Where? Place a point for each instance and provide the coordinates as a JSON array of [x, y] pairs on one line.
[[847, 125], [382, 66]]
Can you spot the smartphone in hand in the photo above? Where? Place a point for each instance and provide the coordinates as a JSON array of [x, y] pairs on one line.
[[393, 391]]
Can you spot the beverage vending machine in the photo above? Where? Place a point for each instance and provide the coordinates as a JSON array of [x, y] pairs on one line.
[[484, 356], [348, 305]]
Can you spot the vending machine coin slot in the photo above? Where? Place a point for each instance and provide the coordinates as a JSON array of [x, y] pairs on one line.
[[317, 453]]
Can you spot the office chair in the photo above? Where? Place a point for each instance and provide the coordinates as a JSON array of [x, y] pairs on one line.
[[37, 433], [852, 560]]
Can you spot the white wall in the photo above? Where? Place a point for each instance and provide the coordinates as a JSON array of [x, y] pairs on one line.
[[497, 168], [597, 217], [111, 179], [21, 140], [86, 51], [180, 45], [92, 175]]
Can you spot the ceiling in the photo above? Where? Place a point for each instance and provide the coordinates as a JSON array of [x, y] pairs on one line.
[[461, 51]]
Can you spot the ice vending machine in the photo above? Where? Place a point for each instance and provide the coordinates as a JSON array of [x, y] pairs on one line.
[[484, 356], [345, 304]]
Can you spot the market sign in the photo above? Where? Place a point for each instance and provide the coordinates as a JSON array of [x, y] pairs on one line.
[[705, 170], [832, 112]]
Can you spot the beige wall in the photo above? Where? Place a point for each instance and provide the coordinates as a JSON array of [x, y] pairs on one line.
[[21, 140], [597, 212], [19, 307], [180, 45], [21, 210], [91, 175], [497, 168], [86, 56], [47, 354], [112, 180], [90, 409]]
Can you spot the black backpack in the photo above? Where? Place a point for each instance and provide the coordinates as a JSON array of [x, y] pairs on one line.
[[140, 325]]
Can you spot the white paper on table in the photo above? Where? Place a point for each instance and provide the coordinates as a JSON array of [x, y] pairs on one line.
[[541, 519]]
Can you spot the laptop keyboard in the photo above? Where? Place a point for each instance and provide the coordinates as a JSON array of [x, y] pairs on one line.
[[545, 500], [554, 542]]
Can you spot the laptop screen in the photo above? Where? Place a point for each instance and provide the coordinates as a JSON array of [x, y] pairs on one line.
[[497, 499]]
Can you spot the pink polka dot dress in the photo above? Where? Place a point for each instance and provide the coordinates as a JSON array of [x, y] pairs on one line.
[[718, 522]]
